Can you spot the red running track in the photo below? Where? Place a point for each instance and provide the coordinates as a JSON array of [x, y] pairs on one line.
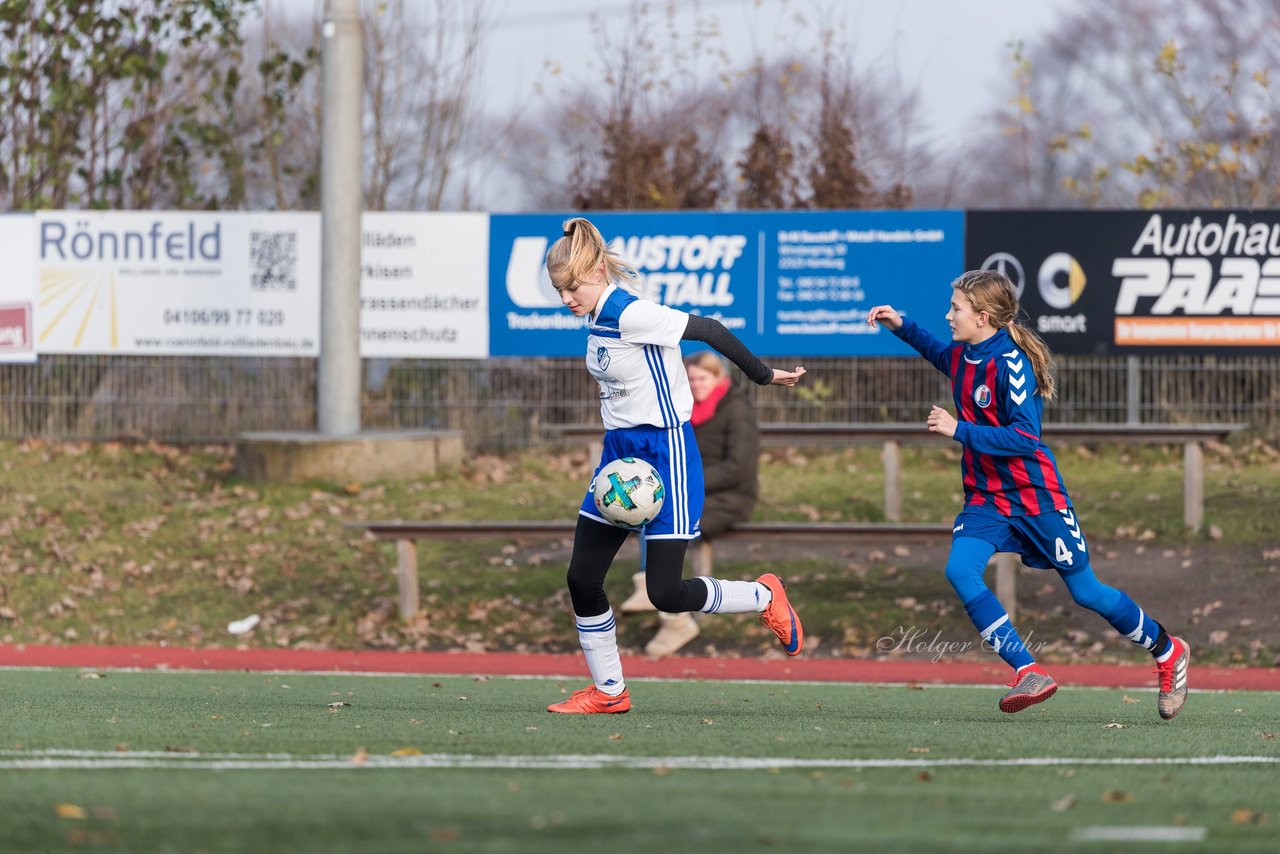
[[572, 666]]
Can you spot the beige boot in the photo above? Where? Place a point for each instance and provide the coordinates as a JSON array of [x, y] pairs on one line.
[[639, 599], [676, 631]]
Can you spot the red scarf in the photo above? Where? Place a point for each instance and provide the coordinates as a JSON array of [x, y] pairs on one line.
[[704, 409]]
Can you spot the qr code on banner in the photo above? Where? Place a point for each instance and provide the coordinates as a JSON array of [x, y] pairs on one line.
[[273, 255]]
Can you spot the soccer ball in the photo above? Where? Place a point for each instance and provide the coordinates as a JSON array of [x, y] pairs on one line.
[[628, 492]]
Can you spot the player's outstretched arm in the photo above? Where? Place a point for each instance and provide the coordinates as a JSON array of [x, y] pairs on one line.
[[711, 331], [885, 314]]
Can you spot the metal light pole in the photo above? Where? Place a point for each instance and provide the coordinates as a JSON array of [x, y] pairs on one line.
[[341, 204]]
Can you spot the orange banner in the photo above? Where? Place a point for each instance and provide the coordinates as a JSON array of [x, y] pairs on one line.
[[1198, 331]]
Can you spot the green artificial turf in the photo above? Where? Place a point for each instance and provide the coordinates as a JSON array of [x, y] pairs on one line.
[[264, 762]]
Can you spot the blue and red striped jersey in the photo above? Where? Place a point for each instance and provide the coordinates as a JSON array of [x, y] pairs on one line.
[[1005, 464]]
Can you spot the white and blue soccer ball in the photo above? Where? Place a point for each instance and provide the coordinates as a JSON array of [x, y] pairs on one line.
[[628, 492]]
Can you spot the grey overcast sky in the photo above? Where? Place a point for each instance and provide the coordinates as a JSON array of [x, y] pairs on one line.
[[954, 51]]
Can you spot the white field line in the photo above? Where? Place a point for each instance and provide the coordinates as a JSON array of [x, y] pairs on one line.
[[36, 760]]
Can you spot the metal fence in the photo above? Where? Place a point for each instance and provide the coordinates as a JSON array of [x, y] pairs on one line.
[[508, 404]]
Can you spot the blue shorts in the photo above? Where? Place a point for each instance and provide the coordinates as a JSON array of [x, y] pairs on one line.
[[1050, 540], [674, 453]]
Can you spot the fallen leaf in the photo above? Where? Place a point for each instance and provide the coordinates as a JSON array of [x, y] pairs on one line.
[[661, 771], [917, 750], [1063, 805], [338, 705], [617, 736], [1115, 796], [406, 751], [1268, 736], [169, 749], [1114, 725], [1127, 699], [360, 757], [69, 811], [924, 777], [1247, 816], [89, 675]]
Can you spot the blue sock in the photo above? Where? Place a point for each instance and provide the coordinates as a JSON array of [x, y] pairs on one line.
[[992, 622], [1130, 620]]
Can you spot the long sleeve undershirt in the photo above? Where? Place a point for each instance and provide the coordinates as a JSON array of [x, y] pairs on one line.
[[717, 335]]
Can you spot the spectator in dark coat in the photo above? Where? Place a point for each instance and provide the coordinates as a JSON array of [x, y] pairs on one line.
[[724, 423]]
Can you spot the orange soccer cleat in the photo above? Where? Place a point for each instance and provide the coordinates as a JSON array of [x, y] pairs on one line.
[[592, 701], [781, 617]]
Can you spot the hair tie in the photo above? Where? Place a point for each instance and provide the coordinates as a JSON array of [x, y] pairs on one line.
[[568, 232]]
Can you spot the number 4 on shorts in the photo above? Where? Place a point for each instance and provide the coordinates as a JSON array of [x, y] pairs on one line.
[[1061, 553]]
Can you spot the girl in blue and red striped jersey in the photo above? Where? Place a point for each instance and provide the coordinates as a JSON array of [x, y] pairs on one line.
[[1014, 496]]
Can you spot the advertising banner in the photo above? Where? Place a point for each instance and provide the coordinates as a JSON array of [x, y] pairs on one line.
[[424, 285], [178, 283], [1141, 282], [787, 284], [17, 287]]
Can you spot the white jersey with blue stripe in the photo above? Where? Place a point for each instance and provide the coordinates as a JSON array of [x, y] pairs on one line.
[[633, 351]]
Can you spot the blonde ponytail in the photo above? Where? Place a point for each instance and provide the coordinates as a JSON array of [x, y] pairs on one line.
[[992, 292], [576, 255]]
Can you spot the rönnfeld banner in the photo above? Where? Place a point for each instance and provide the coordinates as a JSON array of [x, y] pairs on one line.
[[178, 283], [1106, 282]]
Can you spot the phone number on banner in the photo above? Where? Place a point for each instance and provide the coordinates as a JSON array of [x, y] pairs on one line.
[[224, 316]]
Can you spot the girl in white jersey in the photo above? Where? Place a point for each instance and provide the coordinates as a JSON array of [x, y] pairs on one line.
[[633, 351]]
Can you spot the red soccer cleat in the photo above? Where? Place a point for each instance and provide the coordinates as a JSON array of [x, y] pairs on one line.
[[781, 617], [592, 701], [1033, 686], [1173, 679]]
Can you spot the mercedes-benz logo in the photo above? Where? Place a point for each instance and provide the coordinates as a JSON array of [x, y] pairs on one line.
[[1003, 262]]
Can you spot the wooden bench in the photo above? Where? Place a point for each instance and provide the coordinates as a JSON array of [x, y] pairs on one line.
[[891, 436], [406, 535]]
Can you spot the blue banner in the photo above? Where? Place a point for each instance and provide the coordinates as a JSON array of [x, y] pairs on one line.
[[788, 284]]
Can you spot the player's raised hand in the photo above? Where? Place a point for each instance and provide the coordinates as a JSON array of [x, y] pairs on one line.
[[886, 314], [781, 377]]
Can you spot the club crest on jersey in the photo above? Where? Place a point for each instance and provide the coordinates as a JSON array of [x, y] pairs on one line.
[[982, 396], [602, 356]]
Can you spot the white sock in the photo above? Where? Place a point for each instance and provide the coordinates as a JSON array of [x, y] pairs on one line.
[[599, 639], [735, 597]]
